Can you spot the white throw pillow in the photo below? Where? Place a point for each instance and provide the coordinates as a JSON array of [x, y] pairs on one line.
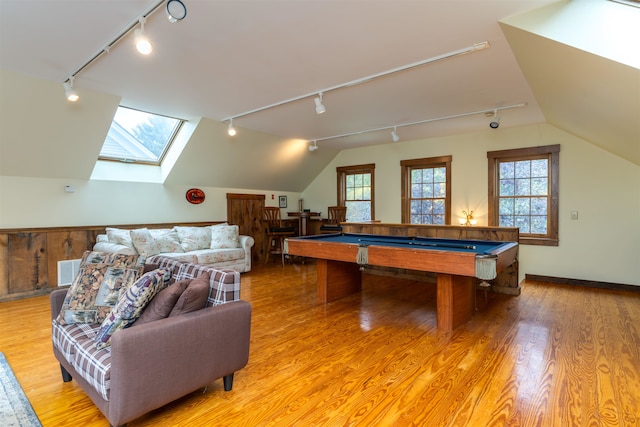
[[119, 236], [166, 240], [224, 237], [144, 243], [194, 238]]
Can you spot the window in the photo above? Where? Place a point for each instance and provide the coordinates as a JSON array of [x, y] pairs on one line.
[[426, 190], [139, 137], [356, 191], [523, 192]]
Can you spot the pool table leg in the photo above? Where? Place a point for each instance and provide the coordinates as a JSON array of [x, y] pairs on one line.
[[337, 279], [455, 300]]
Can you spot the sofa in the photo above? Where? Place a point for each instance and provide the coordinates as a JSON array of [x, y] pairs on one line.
[[217, 245], [165, 347]]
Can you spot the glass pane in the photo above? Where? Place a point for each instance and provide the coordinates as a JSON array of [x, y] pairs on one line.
[[438, 206], [350, 181], [427, 175], [523, 169], [507, 187], [414, 207], [522, 222], [357, 180], [507, 170], [366, 179], [416, 191], [427, 207], [506, 207], [139, 136], [439, 190], [357, 193], [438, 219], [440, 174], [523, 187], [427, 191], [427, 219], [358, 211], [539, 224], [416, 176], [539, 186], [415, 219], [507, 221], [538, 205], [522, 206], [366, 193], [350, 194], [539, 168]]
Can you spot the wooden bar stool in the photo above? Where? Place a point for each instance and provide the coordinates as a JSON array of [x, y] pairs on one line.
[[337, 214], [276, 232]]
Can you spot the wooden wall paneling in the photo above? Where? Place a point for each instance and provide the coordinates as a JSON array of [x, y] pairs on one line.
[[4, 264], [245, 211], [28, 267]]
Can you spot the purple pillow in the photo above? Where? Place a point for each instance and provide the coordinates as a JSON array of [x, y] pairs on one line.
[[162, 304], [194, 297]]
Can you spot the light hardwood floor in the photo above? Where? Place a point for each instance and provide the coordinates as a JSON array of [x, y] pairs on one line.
[[555, 356]]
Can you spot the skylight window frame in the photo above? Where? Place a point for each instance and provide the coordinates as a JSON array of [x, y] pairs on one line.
[[138, 161]]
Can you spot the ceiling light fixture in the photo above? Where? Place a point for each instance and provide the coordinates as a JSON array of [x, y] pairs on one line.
[[495, 123], [320, 108], [176, 11], [120, 36], [231, 130], [474, 48], [394, 134], [435, 119], [313, 147], [69, 91], [143, 45]]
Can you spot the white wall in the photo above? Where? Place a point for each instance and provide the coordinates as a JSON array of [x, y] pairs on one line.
[[42, 202], [602, 245]]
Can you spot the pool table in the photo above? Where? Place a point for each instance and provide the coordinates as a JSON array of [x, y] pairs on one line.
[[457, 263]]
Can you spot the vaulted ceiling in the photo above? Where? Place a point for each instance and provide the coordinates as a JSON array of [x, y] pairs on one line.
[[230, 57]]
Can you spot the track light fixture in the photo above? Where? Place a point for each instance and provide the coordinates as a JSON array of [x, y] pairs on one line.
[[143, 45], [231, 130], [176, 11], [319, 106], [495, 123], [313, 147], [69, 91], [394, 134]]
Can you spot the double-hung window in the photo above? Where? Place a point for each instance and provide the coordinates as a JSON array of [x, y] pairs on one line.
[[356, 191], [523, 192], [426, 190]]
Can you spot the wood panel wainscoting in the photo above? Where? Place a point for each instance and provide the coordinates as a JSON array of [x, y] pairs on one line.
[[555, 356], [507, 282], [29, 256]]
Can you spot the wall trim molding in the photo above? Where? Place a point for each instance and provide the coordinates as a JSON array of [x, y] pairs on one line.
[[580, 282]]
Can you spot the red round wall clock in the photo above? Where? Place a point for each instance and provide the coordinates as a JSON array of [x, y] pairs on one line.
[[195, 196]]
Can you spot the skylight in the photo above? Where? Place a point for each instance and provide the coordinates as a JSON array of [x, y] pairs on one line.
[[139, 137]]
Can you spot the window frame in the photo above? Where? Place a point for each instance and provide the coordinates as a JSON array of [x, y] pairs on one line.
[[342, 173], [550, 152], [167, 146], [406, 167]]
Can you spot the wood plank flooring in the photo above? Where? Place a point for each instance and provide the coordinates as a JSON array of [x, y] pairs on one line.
[[555, 356]]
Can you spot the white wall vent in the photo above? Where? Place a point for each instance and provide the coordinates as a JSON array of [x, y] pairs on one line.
[[67, 271]]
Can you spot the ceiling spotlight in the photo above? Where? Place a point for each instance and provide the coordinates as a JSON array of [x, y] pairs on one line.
[[394, 135], [319, 106], [495, 123], [231, 130], [313, 147], [176, 11], [143, 45], [69, 91]]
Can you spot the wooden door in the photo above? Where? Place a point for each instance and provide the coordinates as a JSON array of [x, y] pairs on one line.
[[245, 211]]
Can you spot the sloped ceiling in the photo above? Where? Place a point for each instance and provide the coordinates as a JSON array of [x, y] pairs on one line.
[[229, 57]]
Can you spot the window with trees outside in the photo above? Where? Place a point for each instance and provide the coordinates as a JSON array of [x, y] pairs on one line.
[[523, 192], [426, 190], [356, 191], [139, 137]]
